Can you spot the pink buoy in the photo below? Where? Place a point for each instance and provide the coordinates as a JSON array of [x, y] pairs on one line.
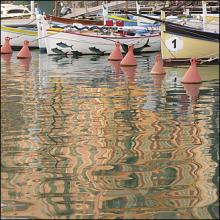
[[6, 48], [24, 52], [116, 53], [158, 66], [129, 59], [192, 74]]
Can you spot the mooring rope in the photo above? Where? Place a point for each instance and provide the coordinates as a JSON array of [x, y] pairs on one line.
[[11, 38]]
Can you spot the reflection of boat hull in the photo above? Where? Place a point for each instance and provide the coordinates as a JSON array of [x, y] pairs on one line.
[[94, 44], [18, 36], [180, 43]]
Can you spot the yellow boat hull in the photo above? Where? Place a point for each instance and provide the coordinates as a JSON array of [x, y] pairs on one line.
[[174, 47]]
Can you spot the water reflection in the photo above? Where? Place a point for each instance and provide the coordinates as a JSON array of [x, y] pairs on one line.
[[82, 141], [6, 57], [25, 63], [192, 90], [115, 66]]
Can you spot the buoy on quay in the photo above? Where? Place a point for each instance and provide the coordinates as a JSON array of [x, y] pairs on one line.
[[158, 66], [116, 53], [192, 75], [24, 52], [129, 59], [6, 48]]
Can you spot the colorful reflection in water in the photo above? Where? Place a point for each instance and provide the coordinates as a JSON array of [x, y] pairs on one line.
[[83, 138]]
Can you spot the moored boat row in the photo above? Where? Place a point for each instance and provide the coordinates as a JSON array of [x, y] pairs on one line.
[[58, 36]]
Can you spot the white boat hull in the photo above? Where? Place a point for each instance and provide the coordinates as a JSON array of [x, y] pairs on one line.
[[66, 43]]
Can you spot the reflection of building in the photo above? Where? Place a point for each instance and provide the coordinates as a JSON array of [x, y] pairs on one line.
[[97, 153]]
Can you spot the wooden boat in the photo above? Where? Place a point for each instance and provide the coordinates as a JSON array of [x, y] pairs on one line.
[[72, 20], [18, 24], [26, 29], [180, 43], [91, 39], [89, 42]]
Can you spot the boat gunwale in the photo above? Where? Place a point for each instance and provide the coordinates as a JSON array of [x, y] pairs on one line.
[[113, 37], [191, 32]]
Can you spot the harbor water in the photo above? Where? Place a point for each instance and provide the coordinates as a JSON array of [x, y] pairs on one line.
[[82, 138]]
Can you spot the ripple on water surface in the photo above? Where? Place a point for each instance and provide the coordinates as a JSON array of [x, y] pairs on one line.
[[84, 138]]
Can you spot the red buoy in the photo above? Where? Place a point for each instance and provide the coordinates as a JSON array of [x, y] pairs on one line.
[[129, 59], [158, 66], [116, 53], [6, 48], [192, 74], [24, 52]]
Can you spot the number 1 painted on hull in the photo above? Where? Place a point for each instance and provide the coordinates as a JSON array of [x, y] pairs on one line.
[[174, 43]]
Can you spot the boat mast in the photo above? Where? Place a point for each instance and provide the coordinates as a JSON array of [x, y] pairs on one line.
[[104, 12], [138, 7], [126, 7], [55, 8], [204, 12], [32, 10]]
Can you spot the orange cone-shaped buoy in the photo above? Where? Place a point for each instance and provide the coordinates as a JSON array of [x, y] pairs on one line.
[[24, 52], [116, 65], [192, 74], [6, 48], [158, 66], [129, 59], [116, 53]]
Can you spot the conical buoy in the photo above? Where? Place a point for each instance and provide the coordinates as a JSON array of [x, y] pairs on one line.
[[24, 52], [6, 48], [116, 53], [158, 66], [116, 65], [129, 59], [192, 74]]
